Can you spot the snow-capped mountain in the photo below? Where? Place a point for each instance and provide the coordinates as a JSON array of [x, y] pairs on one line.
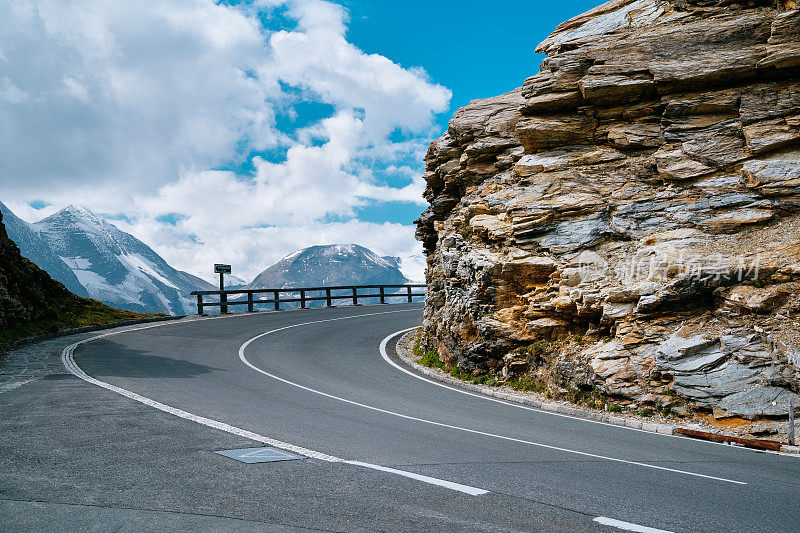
[[34, 248], [330, 265], [115, 267], [232, 281]]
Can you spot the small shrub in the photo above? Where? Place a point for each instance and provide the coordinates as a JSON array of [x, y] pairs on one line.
[[647, 412], [459, 374], [614, 408], [526, 383], [430, 359]]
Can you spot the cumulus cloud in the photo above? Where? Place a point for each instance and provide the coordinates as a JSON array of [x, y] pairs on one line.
[[185, 117]]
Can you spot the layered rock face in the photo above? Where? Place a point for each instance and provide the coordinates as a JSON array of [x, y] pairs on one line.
[[627, 221]]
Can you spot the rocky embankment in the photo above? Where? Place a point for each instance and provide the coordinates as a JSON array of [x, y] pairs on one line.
[[626, 224]]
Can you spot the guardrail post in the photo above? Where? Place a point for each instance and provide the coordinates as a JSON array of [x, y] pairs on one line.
[[383, 296], [355, 296], [199, 304], [249, 302], [302, 299], [409, 294], [277, 299], [223, 299], [328, 297], [791, 420]]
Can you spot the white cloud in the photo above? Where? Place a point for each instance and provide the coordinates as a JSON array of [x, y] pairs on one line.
[[127, 108]]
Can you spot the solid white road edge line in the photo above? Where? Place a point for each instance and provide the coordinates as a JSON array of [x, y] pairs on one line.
[[449, 426], [473, 491], [70, 364], [627, 526], [386, 358], [562, 415], [385, 342]]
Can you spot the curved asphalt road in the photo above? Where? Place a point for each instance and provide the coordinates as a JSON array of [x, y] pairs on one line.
[[322, 384]]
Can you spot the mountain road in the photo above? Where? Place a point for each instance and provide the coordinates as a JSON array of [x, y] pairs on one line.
[[127, 441]]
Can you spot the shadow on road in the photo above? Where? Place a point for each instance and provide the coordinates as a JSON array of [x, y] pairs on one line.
[[107, 358]]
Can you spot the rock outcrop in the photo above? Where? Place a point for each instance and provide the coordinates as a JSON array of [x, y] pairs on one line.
[[634, 208]]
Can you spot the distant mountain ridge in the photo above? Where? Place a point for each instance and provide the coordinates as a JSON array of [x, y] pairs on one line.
[[115, 267], [33, 303], [330, 265], [34, 248], [94, 258]]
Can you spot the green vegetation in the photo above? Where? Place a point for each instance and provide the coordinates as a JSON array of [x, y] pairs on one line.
[[526, 383], [613, 408], [537, 351], [588, 398], [427, 358], [647, 412], [431, 359], [485, 380], [74, 312]]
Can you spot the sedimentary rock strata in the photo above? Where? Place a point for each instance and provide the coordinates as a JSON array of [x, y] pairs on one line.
[[635, 205]]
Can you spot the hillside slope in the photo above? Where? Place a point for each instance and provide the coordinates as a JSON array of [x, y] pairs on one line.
[[32, 303], [34, 248], [625, 225]]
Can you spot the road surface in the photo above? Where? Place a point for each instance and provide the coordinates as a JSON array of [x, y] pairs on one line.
[[383, 449]]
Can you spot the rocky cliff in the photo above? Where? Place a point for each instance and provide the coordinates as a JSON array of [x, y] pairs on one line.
[[626, 224]]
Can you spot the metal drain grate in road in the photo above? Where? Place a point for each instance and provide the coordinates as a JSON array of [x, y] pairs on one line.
[[260, 455]]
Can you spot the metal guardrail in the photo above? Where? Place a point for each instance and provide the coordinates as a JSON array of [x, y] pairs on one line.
[[303, 297]]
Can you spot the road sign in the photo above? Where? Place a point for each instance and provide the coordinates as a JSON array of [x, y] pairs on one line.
[[222, 269]]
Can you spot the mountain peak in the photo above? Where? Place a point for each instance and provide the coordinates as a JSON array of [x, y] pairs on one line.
[[330, 265], [79, 212], [74, 208], [114, 266]]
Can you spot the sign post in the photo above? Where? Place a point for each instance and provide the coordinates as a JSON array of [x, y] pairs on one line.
[[223, 298]]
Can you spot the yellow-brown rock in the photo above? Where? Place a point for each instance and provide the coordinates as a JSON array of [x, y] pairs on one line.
[[641, 192]]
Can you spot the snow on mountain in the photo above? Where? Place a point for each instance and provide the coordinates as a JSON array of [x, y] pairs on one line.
[[199, 282], [330, 265], [34, 248], [232, 281], [115, 267]]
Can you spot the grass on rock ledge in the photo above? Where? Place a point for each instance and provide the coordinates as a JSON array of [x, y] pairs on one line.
[[73, 312], [522, 382]]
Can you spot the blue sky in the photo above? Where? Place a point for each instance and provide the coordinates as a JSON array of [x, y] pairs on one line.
[[475, 51], [239, 132], [474, 48]]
